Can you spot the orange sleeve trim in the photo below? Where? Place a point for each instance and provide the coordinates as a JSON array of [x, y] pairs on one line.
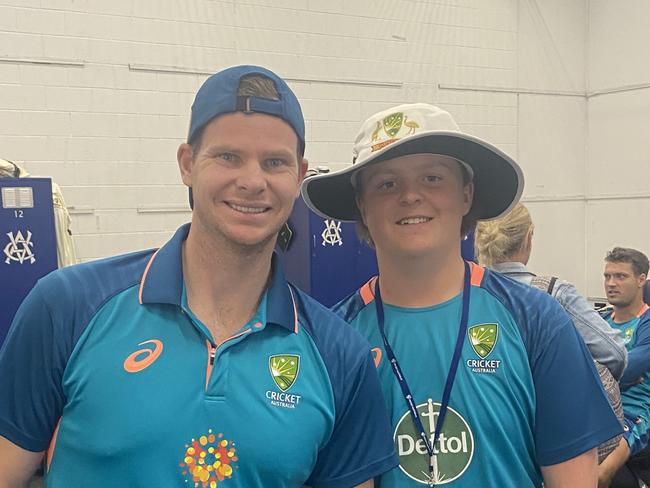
[[50, 449], [367, 291], [144, 276], [477, 273]]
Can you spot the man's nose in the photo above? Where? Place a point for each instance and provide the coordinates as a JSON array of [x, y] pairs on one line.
[[251, 177]]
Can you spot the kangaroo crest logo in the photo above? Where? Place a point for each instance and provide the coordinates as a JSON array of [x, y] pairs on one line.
[[483, 338], [393, 123], [284, 369]]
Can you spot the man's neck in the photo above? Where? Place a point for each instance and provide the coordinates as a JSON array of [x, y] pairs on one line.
[[628, 312], [223, 285], [420, 281]]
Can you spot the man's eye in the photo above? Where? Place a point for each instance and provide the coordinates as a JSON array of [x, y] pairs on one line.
[[433, 178], [386, 185], [275, 162], [227, 156]]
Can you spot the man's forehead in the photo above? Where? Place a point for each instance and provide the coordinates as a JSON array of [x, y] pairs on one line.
[[618, 267]]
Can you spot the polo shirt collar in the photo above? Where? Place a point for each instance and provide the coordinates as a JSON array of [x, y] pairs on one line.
[[511, 267], [162, 282]]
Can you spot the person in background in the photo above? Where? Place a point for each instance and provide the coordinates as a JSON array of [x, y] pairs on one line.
[[625, 274], [472, 364], [505, 245], [197, 364]]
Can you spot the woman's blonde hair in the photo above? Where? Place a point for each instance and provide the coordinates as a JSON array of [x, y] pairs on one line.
[[496, 241]]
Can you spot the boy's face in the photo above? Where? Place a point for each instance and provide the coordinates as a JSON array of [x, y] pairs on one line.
[[245, 178], [414, 205]]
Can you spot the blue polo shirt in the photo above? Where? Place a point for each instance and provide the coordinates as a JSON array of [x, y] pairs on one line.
[[106, 364], [526, 393]]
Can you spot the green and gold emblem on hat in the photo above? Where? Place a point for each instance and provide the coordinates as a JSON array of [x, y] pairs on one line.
[[483, 338], [393, 123], [284, 369]]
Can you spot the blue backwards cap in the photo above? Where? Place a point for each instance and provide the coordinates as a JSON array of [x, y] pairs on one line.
[[218, 95]]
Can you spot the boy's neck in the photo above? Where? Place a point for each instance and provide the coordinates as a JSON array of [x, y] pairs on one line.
[[420, 282]]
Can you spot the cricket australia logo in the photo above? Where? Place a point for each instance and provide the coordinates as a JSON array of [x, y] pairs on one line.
[[392, 125], [483, 338], [284, 370], [332, 233], [627, 335], [452, 453], [19, 248]]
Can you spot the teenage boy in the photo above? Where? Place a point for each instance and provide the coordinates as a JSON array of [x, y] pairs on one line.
[[486, 380]]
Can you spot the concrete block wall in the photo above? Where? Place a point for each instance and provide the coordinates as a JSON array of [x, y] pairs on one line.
[[97, 94], [618, 173], [552, 121]]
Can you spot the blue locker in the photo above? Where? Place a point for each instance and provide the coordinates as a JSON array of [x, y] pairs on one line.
[[325, 258], [27, 241]]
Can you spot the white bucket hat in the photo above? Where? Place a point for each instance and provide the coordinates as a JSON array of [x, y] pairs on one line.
[[419, 128]]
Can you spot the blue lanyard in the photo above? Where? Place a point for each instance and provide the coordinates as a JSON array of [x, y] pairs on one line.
[[450, 376]]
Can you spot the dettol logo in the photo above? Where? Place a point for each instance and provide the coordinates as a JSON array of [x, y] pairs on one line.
[[452, 453]]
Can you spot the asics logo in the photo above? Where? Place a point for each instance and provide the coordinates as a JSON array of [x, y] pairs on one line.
[[143, 358], [376, 356]]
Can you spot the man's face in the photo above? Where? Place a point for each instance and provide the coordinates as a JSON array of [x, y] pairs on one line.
[[414, 204], [622, 285], [245, 178]]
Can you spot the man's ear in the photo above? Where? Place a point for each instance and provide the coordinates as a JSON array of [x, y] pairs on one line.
[[303, 166], [185, 158]]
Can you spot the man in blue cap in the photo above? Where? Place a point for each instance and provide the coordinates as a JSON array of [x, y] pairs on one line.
[[197, 364]]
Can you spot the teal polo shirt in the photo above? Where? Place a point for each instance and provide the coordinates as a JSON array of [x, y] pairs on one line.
[[635, 394], [526, 393], [106, 366]]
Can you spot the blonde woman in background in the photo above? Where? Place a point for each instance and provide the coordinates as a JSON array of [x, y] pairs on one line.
[[505, 245]]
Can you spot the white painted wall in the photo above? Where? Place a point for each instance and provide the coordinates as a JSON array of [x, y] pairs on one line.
[[618, 174], [97, 95], [551, 142]]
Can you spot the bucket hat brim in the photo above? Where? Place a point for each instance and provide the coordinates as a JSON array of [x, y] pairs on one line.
[[498, 179]]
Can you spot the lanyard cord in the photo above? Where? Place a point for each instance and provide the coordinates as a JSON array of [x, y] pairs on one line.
[[451, 375]]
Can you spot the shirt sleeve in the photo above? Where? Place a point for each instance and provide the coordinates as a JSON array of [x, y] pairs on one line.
[[361, 445], [604, 343], [573, 414], [639, 356], [31, 370]]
